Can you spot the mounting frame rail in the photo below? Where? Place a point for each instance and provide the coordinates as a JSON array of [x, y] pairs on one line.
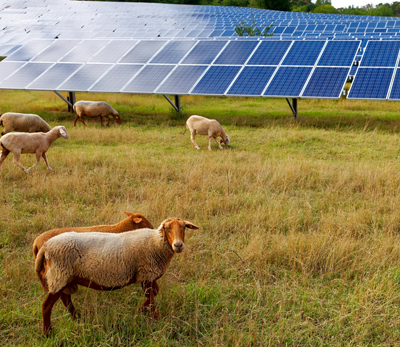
[[293, 106], [70, 100], [177, 105]]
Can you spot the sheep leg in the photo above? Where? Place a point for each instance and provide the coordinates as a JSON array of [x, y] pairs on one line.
[[45, 160], [192, 136], [219, 145], [38, 155], [108, 123], [66, 300], [47, 306], [4, 154], [16, 161], [76, 118], [101, 121], [150, 291]]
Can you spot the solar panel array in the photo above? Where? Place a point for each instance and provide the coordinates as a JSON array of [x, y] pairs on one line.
[[186, 49], [204, 67]]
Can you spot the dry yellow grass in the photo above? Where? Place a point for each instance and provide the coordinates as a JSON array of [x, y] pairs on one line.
[[298, 243]]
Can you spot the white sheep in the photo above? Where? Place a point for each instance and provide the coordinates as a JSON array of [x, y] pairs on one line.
[[106, 261], [38, 143], [23, 122], [204, 126], [94, 109]]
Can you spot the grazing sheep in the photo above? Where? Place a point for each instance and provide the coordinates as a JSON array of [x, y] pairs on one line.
[[29, 123], [204, 126], [106, 261], [94, 109], [38, 143], [133, 222]]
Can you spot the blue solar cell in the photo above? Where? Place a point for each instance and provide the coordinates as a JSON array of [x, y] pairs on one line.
[[25, 75], [381, 53], [326, 82], [236, 52], [54, 76], [173, 52], [288, 81], [114, 51], [8, 68], [83, 52], [56, 51], [148, 79], [182, 79], [252, 80], [339, 53], [29, 50], [395, 92], [269, 53], [84, 77], [216, 80], [204, 52], [303, 53], [371, 83], [116, 78], [142, 52]]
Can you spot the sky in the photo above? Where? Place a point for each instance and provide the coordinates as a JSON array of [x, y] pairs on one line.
[[356, 3]]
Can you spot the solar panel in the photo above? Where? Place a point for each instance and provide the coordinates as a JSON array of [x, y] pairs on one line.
[[114, 51], [8, 68], [326, 82], [216, 80], [381, 53], [142, 52], [148, 79], [25, 75], [29, 50], [269, 53], [339, 53], [236, 52], [116, 78], [252, 80], [173, 52], [54, 76], [84, 51], [204, 52], [303, 53], [395, 92], [182, 79], [371, 83], [56, 51], [84, 77], [288, 81]]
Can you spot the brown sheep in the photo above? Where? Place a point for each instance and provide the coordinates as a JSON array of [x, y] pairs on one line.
[[106, 261]]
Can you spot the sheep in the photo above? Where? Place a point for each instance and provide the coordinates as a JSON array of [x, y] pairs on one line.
[[94, 109], [106, 261], [23, 122], [133, 222], [204, 126], [38, 143]]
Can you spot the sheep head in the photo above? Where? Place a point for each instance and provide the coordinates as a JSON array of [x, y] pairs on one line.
[[117, 117], [62, 131], [225, 141], [174, 230], [140, 221]]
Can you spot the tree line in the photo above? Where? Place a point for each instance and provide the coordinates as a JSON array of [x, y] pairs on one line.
[[320, 6]]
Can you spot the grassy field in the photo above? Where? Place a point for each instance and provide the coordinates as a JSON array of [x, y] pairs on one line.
[[299, 222]]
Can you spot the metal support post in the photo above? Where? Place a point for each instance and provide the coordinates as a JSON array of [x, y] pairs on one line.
[[293, 107], [177, 105], [72, 99]]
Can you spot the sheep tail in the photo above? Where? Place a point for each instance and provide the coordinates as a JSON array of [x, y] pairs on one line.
[[39, 260]]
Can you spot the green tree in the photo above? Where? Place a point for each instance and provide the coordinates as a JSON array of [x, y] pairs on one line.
[[381, 10], [326, 9]]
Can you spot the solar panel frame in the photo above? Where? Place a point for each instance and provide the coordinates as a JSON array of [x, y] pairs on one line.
[[371, 76]]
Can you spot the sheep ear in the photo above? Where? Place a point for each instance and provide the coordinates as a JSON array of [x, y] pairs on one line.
[[128, 213], [190, 225], [137, 220], [62, 132]]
